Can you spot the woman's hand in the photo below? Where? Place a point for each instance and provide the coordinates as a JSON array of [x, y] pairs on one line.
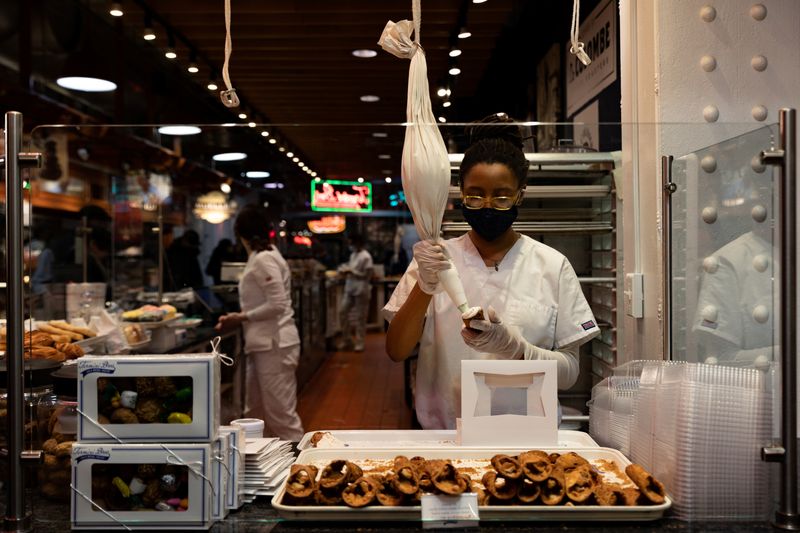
[[430, 261], [230, 321], [492, 336]]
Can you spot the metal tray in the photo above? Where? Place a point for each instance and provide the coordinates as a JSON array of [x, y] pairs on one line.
[[323, 456], [403, 438]]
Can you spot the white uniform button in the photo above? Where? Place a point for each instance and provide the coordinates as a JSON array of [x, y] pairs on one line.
[[710, 313], [760, 314], [709, 215], [760, 262], [710, 264]]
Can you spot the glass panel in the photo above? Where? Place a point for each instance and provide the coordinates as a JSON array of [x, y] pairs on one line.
[[723, 252]]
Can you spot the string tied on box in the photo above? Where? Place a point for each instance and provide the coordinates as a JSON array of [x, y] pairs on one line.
[[228, 96], [100, 426], [224, 359], [218, 457], [77, 491], [576, 46], [195, 467]]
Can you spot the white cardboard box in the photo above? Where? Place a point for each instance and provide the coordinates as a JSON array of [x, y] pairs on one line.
[[204, 371], [220, 466], [236, 447], [198, 457], [509, 403]]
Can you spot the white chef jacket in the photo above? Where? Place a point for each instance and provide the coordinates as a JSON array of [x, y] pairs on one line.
[[265, 295], [534, 289], [360, 265], [730, 296]]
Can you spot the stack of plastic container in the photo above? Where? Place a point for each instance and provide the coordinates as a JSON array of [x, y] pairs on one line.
[[700, 428], [611, 407]]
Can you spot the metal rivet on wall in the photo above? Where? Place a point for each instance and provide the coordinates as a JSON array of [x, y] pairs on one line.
[[711, 113], [709, 215], [759, 213], [708, 63], [759, 63], [758, 11], [710, 264], [760, 262], [708, 13], [760, 113], [709, 163], [757, 165]]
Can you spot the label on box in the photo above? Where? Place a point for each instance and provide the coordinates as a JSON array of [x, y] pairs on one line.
[[86, 367], [97, 454], [450, 511]]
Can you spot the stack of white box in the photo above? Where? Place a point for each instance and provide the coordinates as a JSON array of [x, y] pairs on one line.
[[205, 456], [267, 464], [700, 428]]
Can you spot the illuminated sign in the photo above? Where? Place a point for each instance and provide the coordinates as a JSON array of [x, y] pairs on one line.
[[342, 196], [302, 241], [331, 224]]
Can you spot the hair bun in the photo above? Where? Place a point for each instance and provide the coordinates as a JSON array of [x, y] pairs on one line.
[[495, 126]]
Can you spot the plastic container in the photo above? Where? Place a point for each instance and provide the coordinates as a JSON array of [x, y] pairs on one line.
[[54, 473], [39, 399], [253, 427]]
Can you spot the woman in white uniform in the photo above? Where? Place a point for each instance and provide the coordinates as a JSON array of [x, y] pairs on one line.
[[354, 307], [530, 296], [271, 340]]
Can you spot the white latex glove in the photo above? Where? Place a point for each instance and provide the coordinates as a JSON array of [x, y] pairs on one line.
[[430, 260], [492, 336]]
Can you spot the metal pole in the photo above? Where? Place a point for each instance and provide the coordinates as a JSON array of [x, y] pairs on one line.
[[16, 518], [160, 254], [85, 248], [787, 517], [667, 189]]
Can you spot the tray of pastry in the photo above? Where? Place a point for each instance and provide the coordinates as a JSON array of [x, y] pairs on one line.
[[412, 438], [589, 484]]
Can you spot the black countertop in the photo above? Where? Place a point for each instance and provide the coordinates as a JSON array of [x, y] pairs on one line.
[[49, 517]]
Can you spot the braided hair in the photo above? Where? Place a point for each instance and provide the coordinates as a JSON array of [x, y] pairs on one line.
[[495, 139], [252, 224]]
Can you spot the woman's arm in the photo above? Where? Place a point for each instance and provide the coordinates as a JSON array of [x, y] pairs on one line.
[[405, 329]]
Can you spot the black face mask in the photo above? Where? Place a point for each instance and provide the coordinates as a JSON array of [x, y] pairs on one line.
[[489, 223]]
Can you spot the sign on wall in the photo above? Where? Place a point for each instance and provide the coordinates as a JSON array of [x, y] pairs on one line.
[[342, 196], [599, 36], [329, 224], [586, 127]]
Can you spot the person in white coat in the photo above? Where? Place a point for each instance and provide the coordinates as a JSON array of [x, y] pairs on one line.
[[357, 293], [531, 298], [271, 340]]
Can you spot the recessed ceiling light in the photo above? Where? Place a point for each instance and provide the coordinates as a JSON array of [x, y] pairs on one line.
[[281, 149], [192, 68], [242, 116], [170, 53], [455, 71], [273, 141], [441, 92], [300, 164], [370, 98], [365, 52], [251, 124], [225, 188], [229, 156], [380, 134], [388, 179], [116, 9], [314, 174], [478, 1], [89, 85], [361, 180], [295, 159], [464, 33], [265, 134], [212, 86], [179, 130], [317, 179], [442, 119], [289, 154], [446, 103], [384, 156], [148, 34], [455, 52], [257, 174]]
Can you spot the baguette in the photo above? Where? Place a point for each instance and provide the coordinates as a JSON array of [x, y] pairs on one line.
[[58, 331], [86, 332]]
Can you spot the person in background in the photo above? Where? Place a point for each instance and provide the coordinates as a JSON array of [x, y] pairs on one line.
[[357, 292], [222, 252], [532, 302], [271, 340], [183, 266]]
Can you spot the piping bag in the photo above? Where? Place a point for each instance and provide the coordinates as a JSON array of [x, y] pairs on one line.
[[425, 168]]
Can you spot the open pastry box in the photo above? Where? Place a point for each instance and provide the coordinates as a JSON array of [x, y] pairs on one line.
[[475, 460]]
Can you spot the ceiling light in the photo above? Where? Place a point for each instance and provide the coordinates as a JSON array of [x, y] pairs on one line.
[[300, 164], [478, 1], [388, 179], [148, 33], [170, 53], [464, 33], [281, 149], [317, 179], [380, 134], [446, 103], [229, 156], [442, 119], [179, 130], [454, 71], [116, 9], [257, 174], [314, 174], [384, 156], [295, 159], [251, 124], [192, 68], [305, 168], [265, 134], [242, 116], [365, 52], [225, 188], [289, 154], [273, 141], [370, 98], [89, 85], [441, 92], [361, 180], [455, 52], [212, 85]]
